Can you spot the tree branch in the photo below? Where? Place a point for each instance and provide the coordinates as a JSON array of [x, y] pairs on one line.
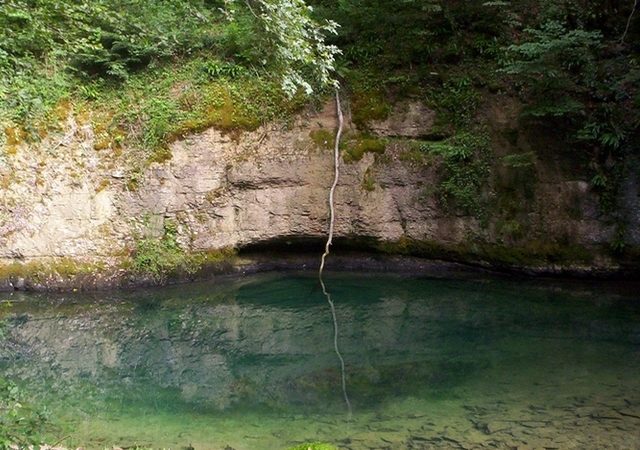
[[336, 159], [626, 30]]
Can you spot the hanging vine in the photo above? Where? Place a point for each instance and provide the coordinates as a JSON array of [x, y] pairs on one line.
[[336, 176]]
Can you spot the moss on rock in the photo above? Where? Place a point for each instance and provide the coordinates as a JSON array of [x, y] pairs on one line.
[[368, 106], [530, 254], [314, 446], [357, 147], [66, 272]]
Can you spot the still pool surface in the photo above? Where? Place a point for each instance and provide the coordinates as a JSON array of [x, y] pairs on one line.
[[251, 364]]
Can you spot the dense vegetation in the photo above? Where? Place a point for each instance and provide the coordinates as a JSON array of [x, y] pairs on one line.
[[574, 62], [141, 67], [145, 73], [21, 424]]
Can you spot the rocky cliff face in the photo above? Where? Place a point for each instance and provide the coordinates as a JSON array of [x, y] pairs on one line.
[[62, 198]]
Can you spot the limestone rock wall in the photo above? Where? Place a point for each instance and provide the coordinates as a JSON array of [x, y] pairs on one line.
[[63, 198]]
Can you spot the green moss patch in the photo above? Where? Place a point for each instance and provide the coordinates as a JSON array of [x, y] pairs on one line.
[[368, 106], [161, 258], [314, 446], [323, 138], [50, 270], [160, 155], [356, 147], [533, 253]]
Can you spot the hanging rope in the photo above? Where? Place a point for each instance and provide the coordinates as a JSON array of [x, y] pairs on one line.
[[336, 161]]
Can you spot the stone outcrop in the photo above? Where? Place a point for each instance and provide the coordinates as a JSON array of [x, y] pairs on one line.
[[62, 198], [406, 119]]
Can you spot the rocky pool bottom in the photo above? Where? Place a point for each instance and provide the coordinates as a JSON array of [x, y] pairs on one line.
[[250, 363]]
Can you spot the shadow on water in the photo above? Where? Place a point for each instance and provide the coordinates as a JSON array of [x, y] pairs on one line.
[[260, 362]]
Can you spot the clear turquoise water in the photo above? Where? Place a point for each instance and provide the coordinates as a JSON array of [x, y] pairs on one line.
[[250, 363]]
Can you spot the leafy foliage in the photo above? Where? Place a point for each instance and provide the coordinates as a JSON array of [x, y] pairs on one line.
[[51, 51], [295, 42], [163, 256], [49, 47], [456, 102], [20, 424], [159, 257], [557, 65], [465, 169], [414, 32], [217, 69], [577, 74], [102, 37]]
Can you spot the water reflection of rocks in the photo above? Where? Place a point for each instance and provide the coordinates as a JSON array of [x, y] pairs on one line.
[[430, 364], [600, 425]]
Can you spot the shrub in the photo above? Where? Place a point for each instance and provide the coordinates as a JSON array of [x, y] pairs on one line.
[[464, 170], [20, 423]]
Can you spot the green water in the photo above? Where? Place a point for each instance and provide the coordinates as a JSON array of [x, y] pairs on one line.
[[250, 364]]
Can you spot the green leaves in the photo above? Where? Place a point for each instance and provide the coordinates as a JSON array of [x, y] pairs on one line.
[[217, 69], [567, 73], [456, 101], [555, 64], [295, 43], [159, 257], [50, 49], [20, 424], [579, 81], [464, 170], [45, 43]]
